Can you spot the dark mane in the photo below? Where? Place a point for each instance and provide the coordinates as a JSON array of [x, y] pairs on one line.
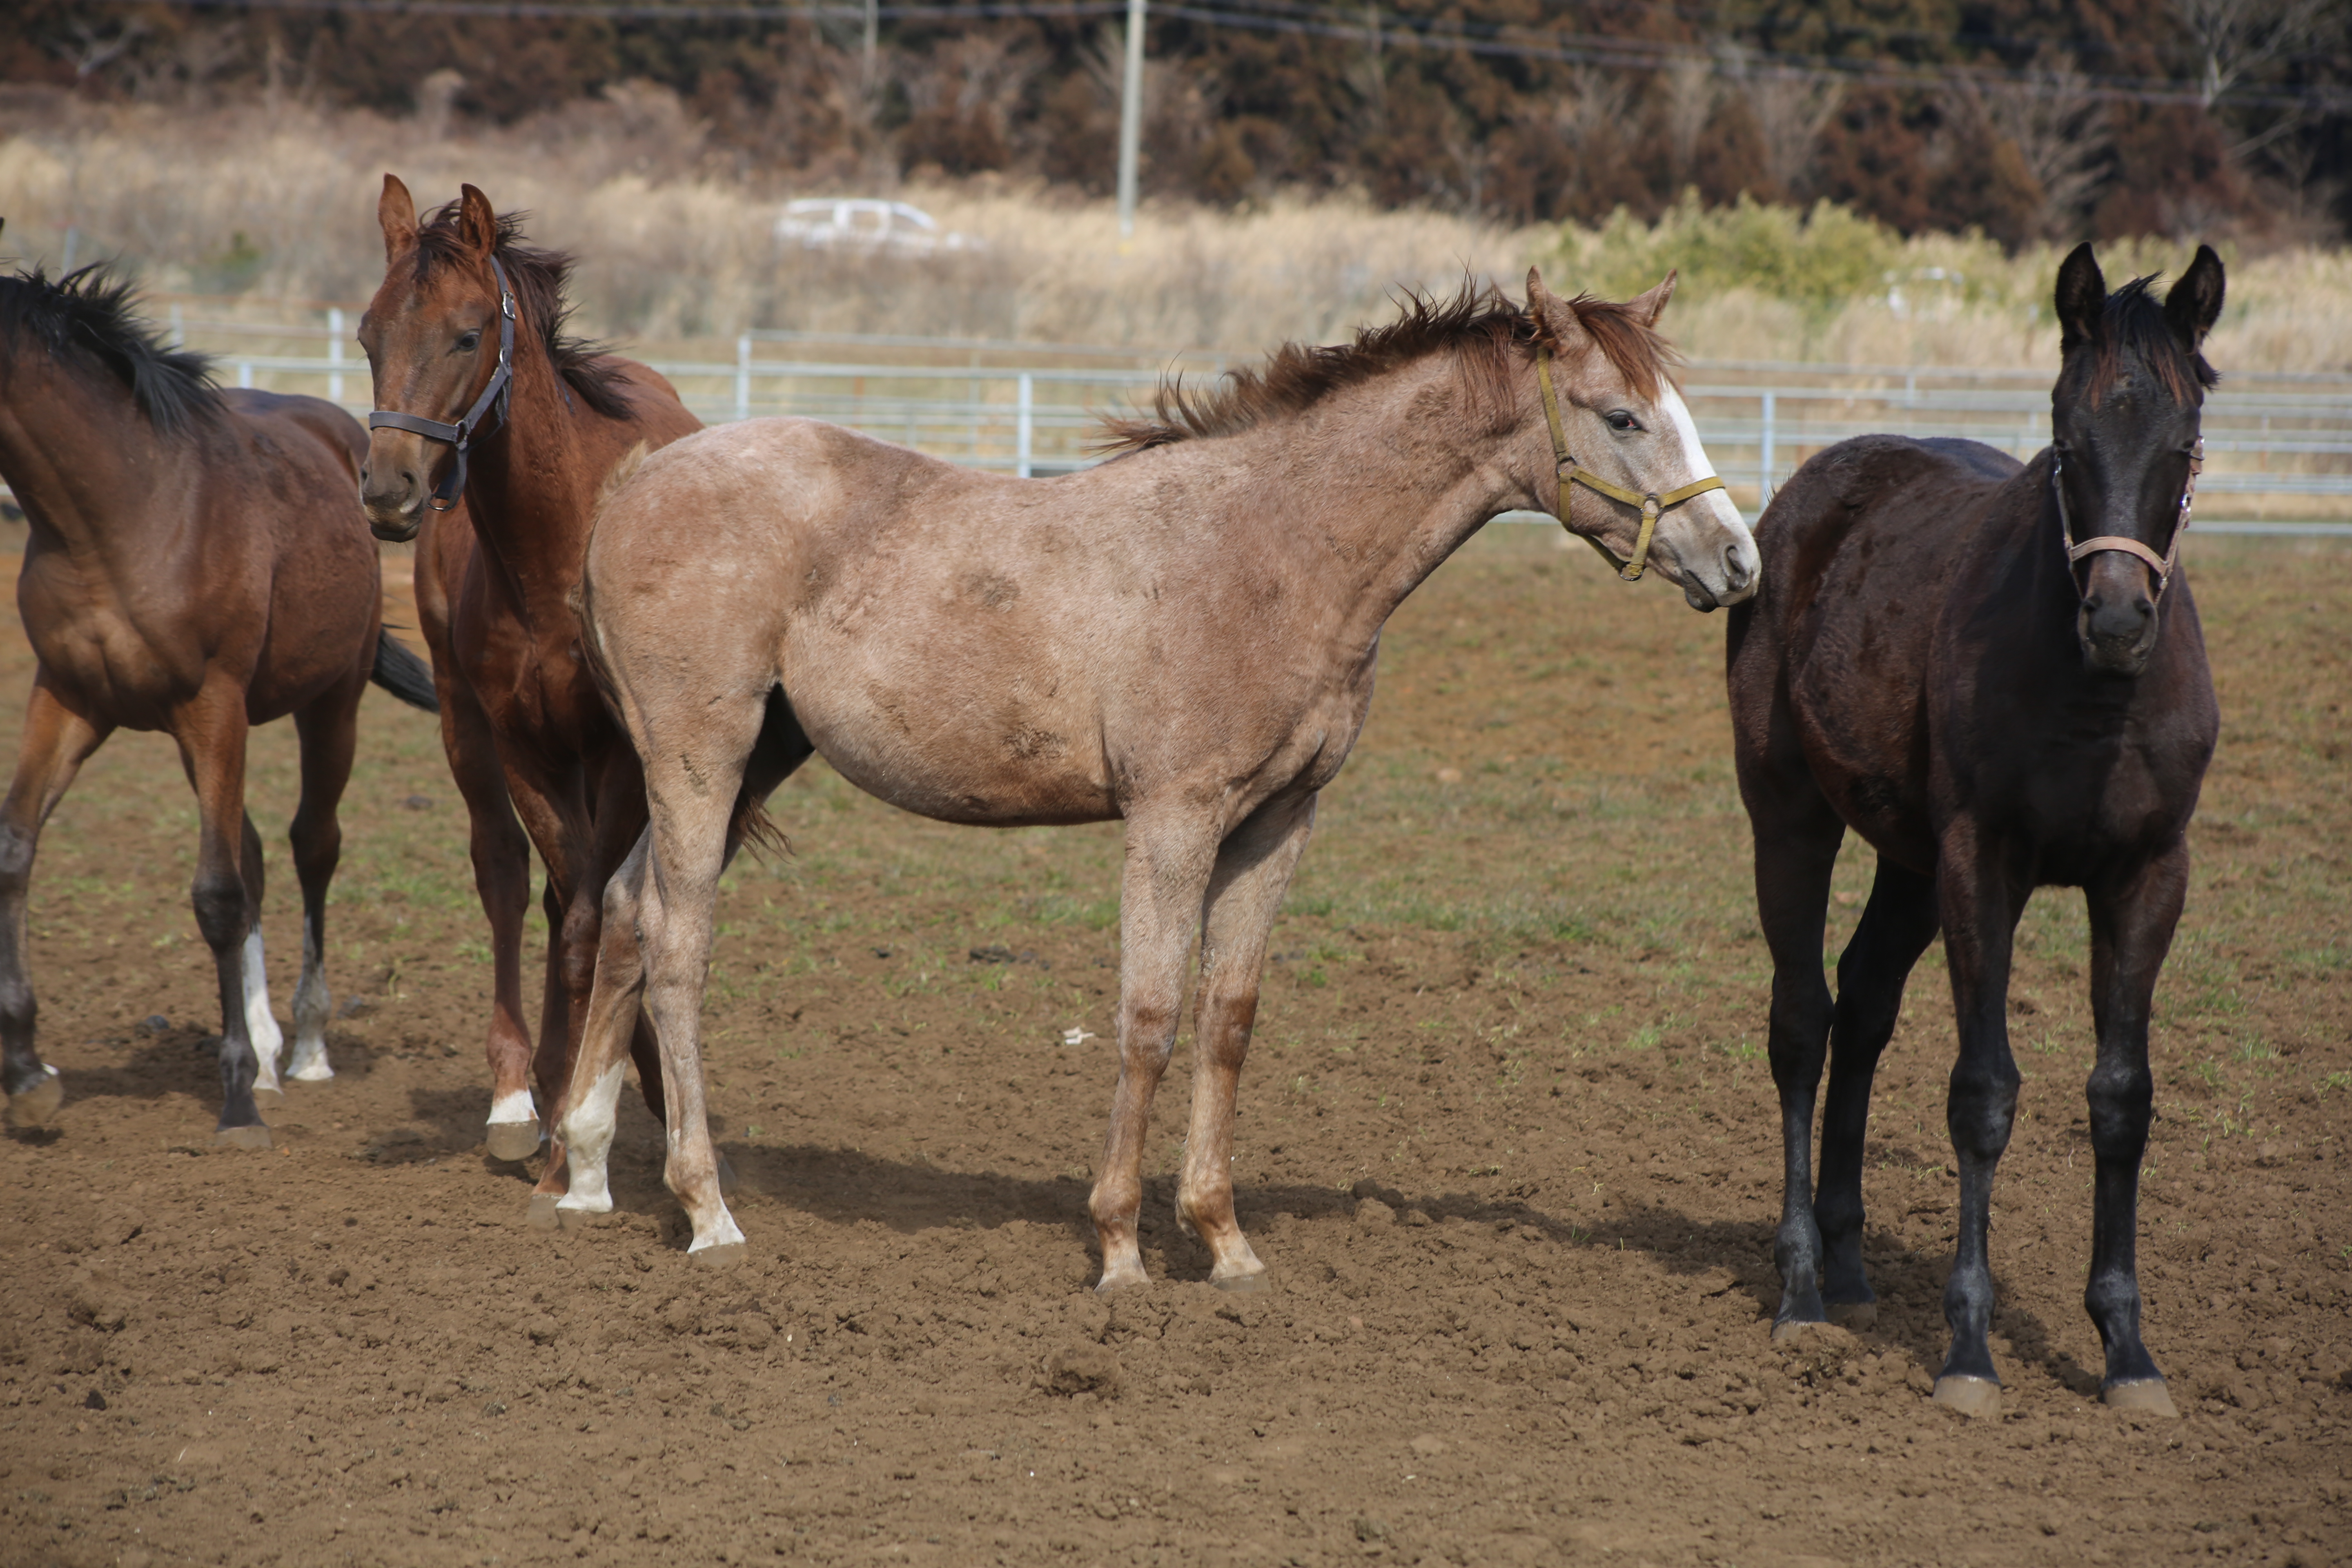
[[539, 279], [1483, 325], [90, 308], [2132, 330]]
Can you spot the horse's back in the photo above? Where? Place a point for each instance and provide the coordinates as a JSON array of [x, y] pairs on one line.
[[338, 436], [1827, 663]]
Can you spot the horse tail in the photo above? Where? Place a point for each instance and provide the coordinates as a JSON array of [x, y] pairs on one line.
[[403, 674], [753, 828]]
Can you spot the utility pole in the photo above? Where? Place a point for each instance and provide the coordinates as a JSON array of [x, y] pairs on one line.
[[1130, 118]]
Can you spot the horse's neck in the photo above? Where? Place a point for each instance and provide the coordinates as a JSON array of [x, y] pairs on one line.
[[529, 489], [1392, 487], [82, 461]]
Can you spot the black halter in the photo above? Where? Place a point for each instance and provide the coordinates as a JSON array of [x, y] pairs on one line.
[[489, 410]]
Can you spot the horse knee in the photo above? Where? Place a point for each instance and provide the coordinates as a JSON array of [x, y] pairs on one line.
[[2120, 1100], [221, 914], [1980, 1110]]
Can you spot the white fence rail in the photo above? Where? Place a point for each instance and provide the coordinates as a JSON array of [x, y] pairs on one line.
[[2279, 448]]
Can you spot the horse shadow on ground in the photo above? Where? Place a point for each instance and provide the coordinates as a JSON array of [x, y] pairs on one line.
[[1713, 1257], [186, 1059]]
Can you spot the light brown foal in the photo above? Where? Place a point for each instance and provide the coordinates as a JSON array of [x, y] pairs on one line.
[[1184, 638]]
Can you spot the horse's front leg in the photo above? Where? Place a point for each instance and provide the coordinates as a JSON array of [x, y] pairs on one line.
[[2132, 922], [211, 732], [1170, 858], [58, 741], [1254, 870], [1981, 897]]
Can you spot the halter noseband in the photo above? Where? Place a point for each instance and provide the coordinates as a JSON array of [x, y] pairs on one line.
[[488, 410], [2160, 565], [1571, 471]]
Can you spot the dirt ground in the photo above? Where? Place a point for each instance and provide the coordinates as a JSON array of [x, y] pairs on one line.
[[1507, 1145]]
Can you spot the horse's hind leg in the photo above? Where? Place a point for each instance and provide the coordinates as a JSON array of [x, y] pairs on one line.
[[1895, 929], [1170, 861], [58, 741], [1254, 870], [211, 732], [1797, 839], [261, 1024], [592, 1102], [2131, 931], [328, 733]]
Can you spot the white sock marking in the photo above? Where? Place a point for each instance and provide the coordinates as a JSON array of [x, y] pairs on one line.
[[588, 1140], [515, 1105], [312, 1005], [260, 1026]]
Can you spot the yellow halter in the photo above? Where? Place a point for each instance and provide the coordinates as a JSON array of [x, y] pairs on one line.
[[1650, 505]]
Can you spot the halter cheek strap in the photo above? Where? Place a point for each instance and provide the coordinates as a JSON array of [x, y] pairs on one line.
[[489, 410], [2160, 565], [1572, 472]]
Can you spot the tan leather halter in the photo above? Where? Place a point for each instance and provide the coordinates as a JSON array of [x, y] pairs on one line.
[[2160, 565], [1570, 470]]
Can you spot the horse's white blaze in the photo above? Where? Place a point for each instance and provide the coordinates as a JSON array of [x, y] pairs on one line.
[[312, 1004], [588, 1140], [1716, 503], [514, 1105], [260, 1026]]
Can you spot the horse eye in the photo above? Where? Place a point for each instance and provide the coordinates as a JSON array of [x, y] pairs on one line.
[[1620, 420], [468, 341]]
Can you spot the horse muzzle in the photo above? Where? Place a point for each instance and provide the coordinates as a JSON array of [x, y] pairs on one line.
[[391, 493], [2116, 620]]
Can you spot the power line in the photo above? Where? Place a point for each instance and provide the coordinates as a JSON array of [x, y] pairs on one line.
[[1489, 40]]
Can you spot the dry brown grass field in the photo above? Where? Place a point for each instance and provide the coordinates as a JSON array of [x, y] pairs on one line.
[[1507, 1142], [277, 204]]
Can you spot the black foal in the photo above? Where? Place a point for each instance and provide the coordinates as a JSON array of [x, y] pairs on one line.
[[1994, 674]]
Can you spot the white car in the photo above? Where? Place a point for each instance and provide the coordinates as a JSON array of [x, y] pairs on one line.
[[844, 223]]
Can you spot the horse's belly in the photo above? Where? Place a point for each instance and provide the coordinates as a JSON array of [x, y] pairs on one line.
[[981, 774]]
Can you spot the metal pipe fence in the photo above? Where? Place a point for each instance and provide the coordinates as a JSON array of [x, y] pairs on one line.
[[2279, 446]]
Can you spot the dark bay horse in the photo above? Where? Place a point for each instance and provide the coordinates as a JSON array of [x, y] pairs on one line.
[[1994, 675], [198, 564], [469, 326], [1183, 638]]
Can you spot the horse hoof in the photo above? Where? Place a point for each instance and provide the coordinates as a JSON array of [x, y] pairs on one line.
[[512, 1141], [1243, 1284], [270, 1097], [38, 1104], [727, 1182], [322, 1073], [543, 1214], [1853, 1314], [2141, 1396], [1977, 1396], [724, 1255], [1112, 1284], [1788, 1329], [580, 1219], [253, 1140]]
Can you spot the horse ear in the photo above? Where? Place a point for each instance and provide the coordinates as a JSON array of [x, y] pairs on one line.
[[478, 225], [1555, 318], [1652, 305], [396, 212], [2195, 302], [2081, 295]]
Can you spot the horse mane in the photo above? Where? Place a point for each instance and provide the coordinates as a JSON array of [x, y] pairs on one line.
[[1481, 324], [539, 279], [2132, 328], [90, 308]]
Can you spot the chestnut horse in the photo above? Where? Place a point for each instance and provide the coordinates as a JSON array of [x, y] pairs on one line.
[[480, 393], [1994, 675], [198, 564], [1184, 638]]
